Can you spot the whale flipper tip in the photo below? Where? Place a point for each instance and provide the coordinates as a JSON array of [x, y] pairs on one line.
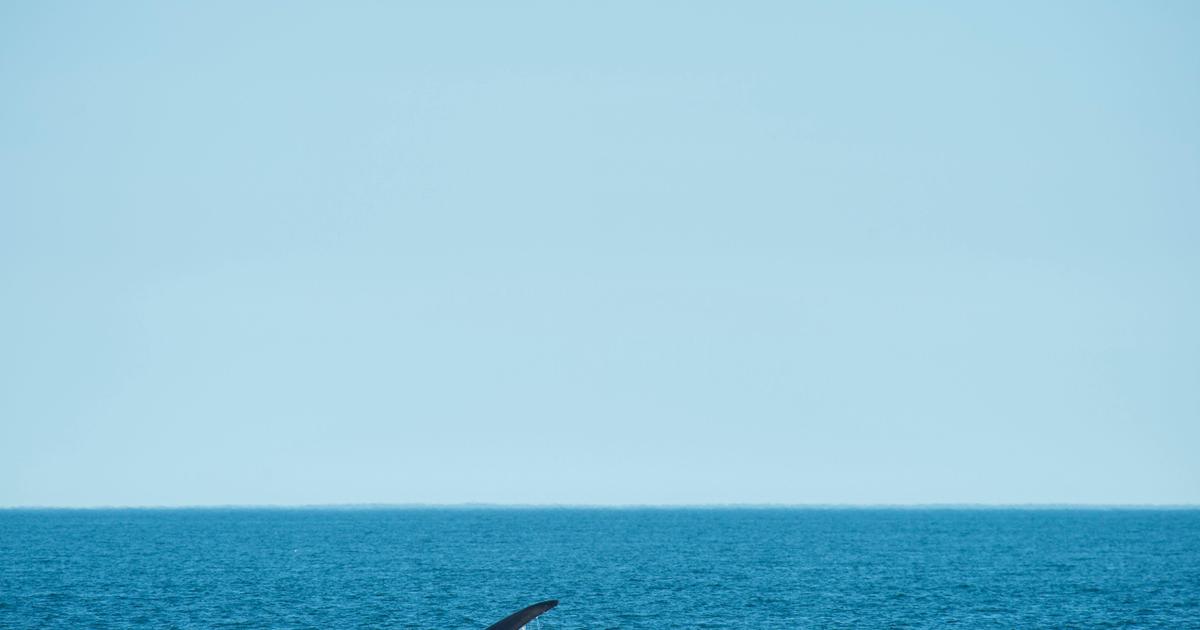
[[518, 619]]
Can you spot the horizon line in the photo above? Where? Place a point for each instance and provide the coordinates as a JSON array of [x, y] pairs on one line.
[[617, 506]]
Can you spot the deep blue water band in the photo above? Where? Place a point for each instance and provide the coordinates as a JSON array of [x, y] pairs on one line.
[[628, 568]]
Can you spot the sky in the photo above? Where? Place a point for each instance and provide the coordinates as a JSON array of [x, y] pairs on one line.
[[281, 253]]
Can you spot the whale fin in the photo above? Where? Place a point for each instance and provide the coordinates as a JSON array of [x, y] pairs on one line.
[[518, 619]]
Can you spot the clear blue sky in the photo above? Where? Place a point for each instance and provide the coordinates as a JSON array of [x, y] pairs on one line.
[[608, 252]]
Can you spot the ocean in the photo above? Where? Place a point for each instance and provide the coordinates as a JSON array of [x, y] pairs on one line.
[[611, 568]]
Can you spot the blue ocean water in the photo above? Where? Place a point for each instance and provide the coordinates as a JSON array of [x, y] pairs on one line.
[[612, 568]]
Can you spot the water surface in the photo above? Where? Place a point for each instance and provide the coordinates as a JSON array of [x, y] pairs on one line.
[[612, 568]]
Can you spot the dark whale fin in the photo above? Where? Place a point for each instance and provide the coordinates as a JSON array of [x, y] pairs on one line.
[[518, 619]]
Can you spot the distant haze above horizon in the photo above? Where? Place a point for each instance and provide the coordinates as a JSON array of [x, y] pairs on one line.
[[599, 253]]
